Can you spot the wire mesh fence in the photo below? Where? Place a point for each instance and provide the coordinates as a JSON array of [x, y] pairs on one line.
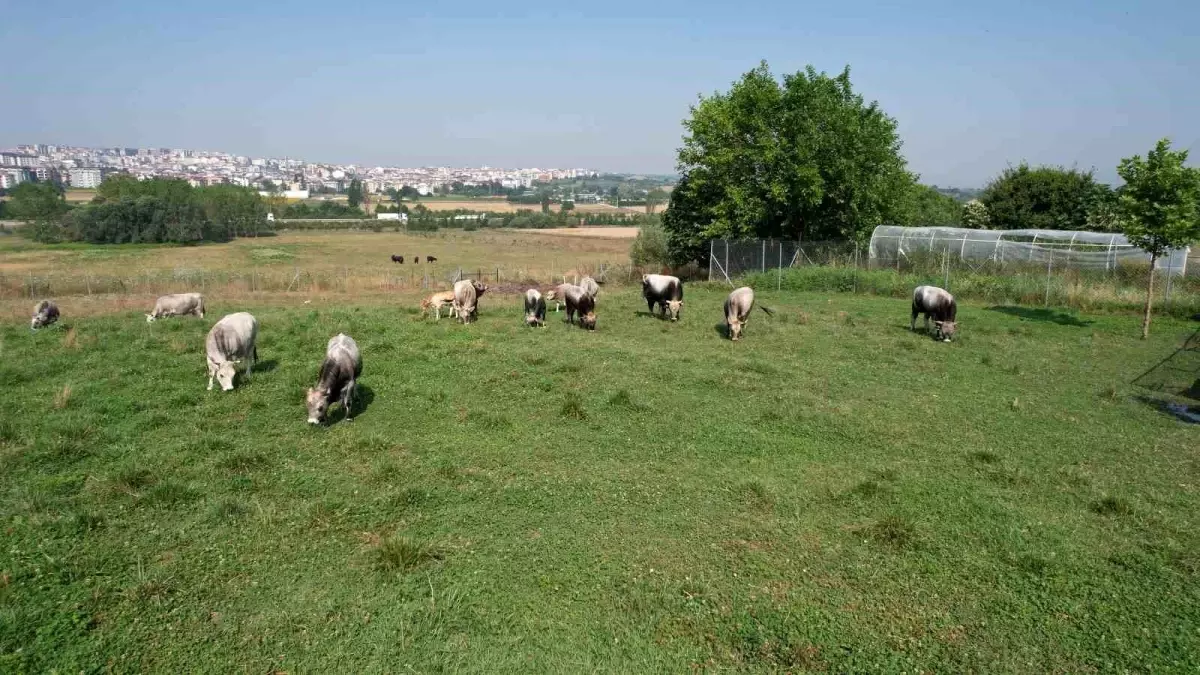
[[1049, 275]]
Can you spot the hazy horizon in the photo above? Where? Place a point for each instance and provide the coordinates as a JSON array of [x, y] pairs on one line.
[[973, 90]]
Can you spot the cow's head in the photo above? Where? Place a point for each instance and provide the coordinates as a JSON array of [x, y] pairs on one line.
[[318, 404], [735, 329], [588, 321], [531, 319], [673, 307], [945, 330], [225, 373], [466, 313], [39, 320], [150, 318]]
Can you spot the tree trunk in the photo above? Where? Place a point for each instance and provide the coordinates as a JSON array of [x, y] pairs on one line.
[[1149, 299]]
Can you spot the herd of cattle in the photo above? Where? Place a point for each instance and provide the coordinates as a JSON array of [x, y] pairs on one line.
[[232, 340], [416, 259]]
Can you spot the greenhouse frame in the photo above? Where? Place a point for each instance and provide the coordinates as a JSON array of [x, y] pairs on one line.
[[1060, 248]]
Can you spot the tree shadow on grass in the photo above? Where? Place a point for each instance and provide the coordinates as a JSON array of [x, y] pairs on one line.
[[1173, 409], [1046, 315]]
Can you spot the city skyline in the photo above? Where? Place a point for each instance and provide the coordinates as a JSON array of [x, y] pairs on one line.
[[973, 89]]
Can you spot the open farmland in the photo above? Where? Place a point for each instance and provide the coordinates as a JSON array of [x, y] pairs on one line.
[[832, 493], [302, 264]]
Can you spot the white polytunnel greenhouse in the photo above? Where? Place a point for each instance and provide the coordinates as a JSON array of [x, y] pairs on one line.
[[1071, 249]]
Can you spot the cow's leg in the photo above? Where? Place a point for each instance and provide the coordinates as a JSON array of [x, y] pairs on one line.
[[253, 358], [348, 400], [912, 325], [926, 322], [211, 372], [650, 306]]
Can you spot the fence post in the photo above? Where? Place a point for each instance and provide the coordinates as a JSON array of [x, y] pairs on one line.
[[726, 258], [764, 256], [855, 289], [946, 271], [779, 269], [1049, 267], [1170, 276], [711, 258]]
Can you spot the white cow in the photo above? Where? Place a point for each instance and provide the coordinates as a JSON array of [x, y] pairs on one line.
[[177, 304], [231, 341], [664, 291]]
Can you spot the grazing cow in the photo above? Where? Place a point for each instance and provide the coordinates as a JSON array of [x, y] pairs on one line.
[[437, 301], [589, 286], [178, 304], [664, 291], [577, 300], [398, 259], [466, 300], [535, 308], [44, 314], [231, 341], [939, 304], [737, 310], [430, 259], [339, 374]]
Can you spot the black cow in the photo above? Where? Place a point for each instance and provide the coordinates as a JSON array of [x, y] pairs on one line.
[[398, 259], [430, 259]]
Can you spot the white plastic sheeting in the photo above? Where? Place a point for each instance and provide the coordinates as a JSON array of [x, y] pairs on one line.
[[1082, 250]]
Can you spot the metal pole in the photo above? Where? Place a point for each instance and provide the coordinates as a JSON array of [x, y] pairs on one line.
[[764, 256], [1170, 276], [779, 269], [1049, 264], [711, 259], [856, 267], [726, 258], [946, 269]]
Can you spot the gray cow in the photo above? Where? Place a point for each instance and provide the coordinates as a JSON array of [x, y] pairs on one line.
[[664, 291], [178, 304], [937, 303], [44, 314], [535, 308], [737, 310], [339, 375], [231, 341]]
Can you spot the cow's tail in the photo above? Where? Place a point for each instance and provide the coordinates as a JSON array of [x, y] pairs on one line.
[[768, 310]]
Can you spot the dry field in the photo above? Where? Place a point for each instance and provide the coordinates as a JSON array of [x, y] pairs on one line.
[[302, 266], [589, 232]]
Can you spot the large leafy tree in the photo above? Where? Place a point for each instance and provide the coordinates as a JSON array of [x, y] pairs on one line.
[[1044, 197], [354, 193], [805, 157], [932, 208], [1159, 206]]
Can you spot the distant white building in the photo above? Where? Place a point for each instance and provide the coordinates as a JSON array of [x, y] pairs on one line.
[[85, 178], [402, 217]]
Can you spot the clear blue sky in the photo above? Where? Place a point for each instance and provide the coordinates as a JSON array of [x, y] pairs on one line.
[[536, 84]]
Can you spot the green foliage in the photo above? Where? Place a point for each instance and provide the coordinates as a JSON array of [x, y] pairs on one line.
[[32, 202], [932, 208], [1159, 206], [567, 206], [1160, 202], [128, 211], [1045, 198], [650, 247], [803, 158], [323, 210], [354, 193]]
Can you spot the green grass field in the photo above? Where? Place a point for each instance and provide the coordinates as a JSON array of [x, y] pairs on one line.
[[832, 493]]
